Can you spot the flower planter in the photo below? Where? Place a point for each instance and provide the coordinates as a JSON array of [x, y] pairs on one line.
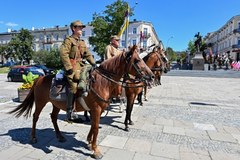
[[22, 94]]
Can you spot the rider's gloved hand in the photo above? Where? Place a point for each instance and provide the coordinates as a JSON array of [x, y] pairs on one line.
[[69, 72], [94, 66]]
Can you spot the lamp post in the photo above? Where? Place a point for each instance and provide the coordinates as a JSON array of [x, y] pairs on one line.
[[168, 41]]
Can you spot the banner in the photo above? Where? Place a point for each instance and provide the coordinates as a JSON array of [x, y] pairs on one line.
[[126, 22]]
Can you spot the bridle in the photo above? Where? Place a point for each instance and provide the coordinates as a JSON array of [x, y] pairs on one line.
[[110, 76]]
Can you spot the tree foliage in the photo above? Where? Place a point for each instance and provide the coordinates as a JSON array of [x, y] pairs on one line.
[[20, 46], [106, 24], [49, 58], [171, 54]]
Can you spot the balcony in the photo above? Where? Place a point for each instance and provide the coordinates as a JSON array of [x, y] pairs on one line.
[[47, 42], [146, 36], [236, 30], [236, 46]]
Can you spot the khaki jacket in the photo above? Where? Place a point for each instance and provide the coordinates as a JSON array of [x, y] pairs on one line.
[[111, 51], [73, 52]]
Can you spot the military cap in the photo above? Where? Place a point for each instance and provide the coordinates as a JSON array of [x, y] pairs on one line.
[[115, 37], [77, 23]]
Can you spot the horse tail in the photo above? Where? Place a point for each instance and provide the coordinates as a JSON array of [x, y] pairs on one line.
[[25, 108]]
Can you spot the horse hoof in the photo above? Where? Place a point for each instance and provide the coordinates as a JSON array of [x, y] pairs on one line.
[[141, 104], [97, 156], [89, 147], [131, 123], [33, 141], [145, 99], [126, 129]]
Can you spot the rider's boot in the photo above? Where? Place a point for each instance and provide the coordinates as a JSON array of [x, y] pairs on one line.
[[70, 115]]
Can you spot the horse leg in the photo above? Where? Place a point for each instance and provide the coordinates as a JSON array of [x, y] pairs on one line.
[[54, 116], [130, 101], [139, 98], [145, 93], [95, 115], [36, 114], [87, 119]]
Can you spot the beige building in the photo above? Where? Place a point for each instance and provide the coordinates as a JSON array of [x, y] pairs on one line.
[[139, 32], [226, 40]]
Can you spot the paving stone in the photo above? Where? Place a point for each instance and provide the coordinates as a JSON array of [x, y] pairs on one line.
[[141, 156], [173, 130], [118, 154], [138, 145], [222, 137], [114, 142], [165, 150], [223, 156], [207, 127]]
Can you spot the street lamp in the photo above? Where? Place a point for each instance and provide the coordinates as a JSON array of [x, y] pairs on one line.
[[168, 41]]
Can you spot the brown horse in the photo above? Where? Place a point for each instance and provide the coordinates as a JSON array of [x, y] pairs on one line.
[[157, 70], [154, 61], [103, 81]]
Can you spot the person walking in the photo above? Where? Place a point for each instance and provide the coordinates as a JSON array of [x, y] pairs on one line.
[[73, 54]]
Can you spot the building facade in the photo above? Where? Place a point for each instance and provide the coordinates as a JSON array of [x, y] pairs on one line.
[[226, 40], [139, 32]]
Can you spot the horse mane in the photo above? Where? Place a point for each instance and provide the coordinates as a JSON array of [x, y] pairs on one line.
[[147, 56], [111, 63], [116, 61]]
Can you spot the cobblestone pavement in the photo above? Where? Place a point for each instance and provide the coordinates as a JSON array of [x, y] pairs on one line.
[[186, 118]]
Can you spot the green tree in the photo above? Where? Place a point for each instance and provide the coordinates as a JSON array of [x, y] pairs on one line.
[[49, 58], [106, 24], [171, 54], [20, 46]]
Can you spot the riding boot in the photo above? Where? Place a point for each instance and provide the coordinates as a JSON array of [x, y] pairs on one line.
[[70, 115]]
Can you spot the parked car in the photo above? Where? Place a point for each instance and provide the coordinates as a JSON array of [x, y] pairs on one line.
[[44, 68], [16, 72]]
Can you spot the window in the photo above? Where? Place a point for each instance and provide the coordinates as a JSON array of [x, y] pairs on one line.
[[134, 42], [123, 43], [144, 44], [238, 25], [56, 37], [55, 46], [48, 38], [238, 41], [84, 33], [145, 31], [134, 30], [41, 37], [92, 32]]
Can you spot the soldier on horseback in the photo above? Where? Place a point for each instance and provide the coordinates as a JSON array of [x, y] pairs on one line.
[[112, 49], [73, 53]]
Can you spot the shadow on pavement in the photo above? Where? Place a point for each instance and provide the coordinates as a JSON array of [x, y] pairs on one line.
[[46, 139]]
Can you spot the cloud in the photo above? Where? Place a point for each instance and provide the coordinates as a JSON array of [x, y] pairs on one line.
[[1, 22], [10, 24]]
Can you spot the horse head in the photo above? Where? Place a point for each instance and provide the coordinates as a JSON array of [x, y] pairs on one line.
[[136, 66]]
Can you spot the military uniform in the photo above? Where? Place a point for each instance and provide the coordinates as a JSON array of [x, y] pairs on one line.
[[111, 51], [73, 53]]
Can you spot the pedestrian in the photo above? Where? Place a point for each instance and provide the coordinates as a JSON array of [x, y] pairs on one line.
[[73, 54]]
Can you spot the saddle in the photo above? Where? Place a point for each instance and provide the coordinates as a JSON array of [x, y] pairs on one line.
[[59, 86]]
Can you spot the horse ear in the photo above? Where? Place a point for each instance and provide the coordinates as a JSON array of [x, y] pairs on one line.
[[129, 54]]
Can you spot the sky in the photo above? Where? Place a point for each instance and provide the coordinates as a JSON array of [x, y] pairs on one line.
[[175, 21]]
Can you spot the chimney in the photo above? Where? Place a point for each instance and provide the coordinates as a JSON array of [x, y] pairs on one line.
[[33, 28], [9, 30]]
